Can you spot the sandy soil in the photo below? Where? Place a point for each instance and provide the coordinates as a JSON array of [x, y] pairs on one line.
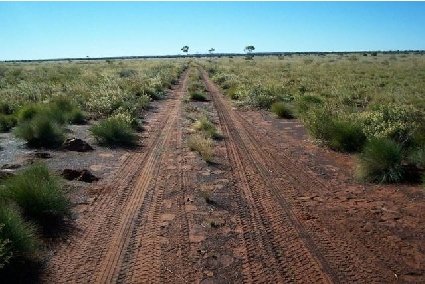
[[273, 207]]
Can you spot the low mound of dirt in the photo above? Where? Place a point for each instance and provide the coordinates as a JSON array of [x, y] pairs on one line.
[[80, 175], [76, 144]]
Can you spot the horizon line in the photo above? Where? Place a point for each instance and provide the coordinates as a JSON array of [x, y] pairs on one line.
[[267, 53]]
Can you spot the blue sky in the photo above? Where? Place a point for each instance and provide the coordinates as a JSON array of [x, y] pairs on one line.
[[31, 30]]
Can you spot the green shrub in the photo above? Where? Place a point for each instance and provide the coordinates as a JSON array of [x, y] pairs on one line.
[[63, 110], [207, 127], [306, 102], [261, 97], [196, 86], [55, 115], [143, 102], [234, 93], [125, 73], [339, 134], [5, 251], [41, 131], [418, 137], [197, 96], [416, 157], [62, 103], [391, 121], [60, 110], [39, 195], [76, 116], [157, 95], [6, 108], [114, 131], [7, 122], [318, 123], [380, 161], [29, 111], [346, 136], [126, 116], [282, 110], [19, 237]]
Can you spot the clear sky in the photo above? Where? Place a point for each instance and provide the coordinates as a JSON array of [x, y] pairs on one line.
[[95, 29]]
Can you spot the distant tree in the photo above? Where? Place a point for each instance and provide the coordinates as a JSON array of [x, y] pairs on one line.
[[185, 49], [249, 49], [211, 50]]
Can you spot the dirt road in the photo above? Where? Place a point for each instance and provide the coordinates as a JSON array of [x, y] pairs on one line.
[[255, 214]]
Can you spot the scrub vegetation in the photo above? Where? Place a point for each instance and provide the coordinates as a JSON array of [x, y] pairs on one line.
[[373, 104], [41, 98], [38, 101]]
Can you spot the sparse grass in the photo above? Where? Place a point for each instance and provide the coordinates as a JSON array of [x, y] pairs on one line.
[[143, 101], [196, 88], [380, 161], [29, 111], [125, 73], [7, 122], [346, 136], [204, 125], [18, 237], [282, 110], [202, 145], [114, 131], [98, 89], [38, 193], [41, 131], [196, 85], [306, 102], [6, 108], [41, 125], [63, 110], [5, 251], [339, 134], [417, 157], [76, 116]]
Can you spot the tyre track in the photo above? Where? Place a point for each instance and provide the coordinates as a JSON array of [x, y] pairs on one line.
[[351, 260], [175, 234], [340, 260], [146, 255], [96, 252], [363, 249], [269, 231]]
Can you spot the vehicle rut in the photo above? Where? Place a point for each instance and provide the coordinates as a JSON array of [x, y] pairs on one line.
[[116, 221], [142, 226], [272, 182]]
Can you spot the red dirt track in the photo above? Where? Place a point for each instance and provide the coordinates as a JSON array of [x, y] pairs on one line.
[[274, 217]]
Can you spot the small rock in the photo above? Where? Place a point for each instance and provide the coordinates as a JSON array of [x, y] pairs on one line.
[[70, 174], [76, 144], [80, 175], [87, 176], [42, 155], [209, 273]]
